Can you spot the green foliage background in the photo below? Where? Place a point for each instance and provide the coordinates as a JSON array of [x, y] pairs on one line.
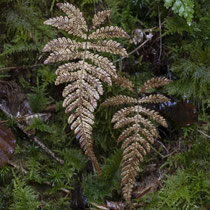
[[184, 54]]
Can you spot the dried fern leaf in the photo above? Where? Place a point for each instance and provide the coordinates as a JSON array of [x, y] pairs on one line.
[[108, 46], [154, 83], [74, 13], [132, 156], [103, 62], [100, 17], [66, 54], [121, 114], [99, 73], [68, 67], [130, 130], [66, 24], [86, 74], [63, 43], [63, 55], [156, 98], [140, 131], [108, 32], [118, 100], [136, 142], [96, 71], [138, 119], [124, 82]]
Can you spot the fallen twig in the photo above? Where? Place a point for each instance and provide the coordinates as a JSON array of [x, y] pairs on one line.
[[17, 167], [32, 137], [37, 141], [163, 146], [26, 67], [204, 134], [143, 43], [20, 67], [133, 51], [160, 28]]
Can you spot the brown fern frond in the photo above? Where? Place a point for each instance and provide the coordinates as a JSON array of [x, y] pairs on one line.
[[68, 67], [138, 119], [66, 24], [96, 71], [117, 100], [121, 114], [108, 46], [154, 83], [100, 17], [108, 32], [124, 82], [103, 63], [86, 74], [63, 55], [156, 98], [63, 43], [145, 132], [99, 73], [133, 152], [140, 131], [74, 13], [130, 130]]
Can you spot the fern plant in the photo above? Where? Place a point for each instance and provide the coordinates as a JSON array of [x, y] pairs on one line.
[[139, 132], [24, 33], [85, 76], [183, 8]]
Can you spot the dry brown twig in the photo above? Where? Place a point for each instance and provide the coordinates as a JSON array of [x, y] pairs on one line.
[[37, 141], [31, 136], [145, 42], [204, 134]]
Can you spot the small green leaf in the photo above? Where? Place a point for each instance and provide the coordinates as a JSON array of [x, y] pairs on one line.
[[184, 8]]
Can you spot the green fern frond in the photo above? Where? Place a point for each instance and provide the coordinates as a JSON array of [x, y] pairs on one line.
[[21, 47], [183, 8], [198, 76], [176, 24]]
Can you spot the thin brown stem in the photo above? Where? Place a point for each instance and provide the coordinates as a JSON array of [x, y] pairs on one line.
[[133, 51], [143, 43], [160, 28], [32, 137], [204, 134], [24, 67]]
